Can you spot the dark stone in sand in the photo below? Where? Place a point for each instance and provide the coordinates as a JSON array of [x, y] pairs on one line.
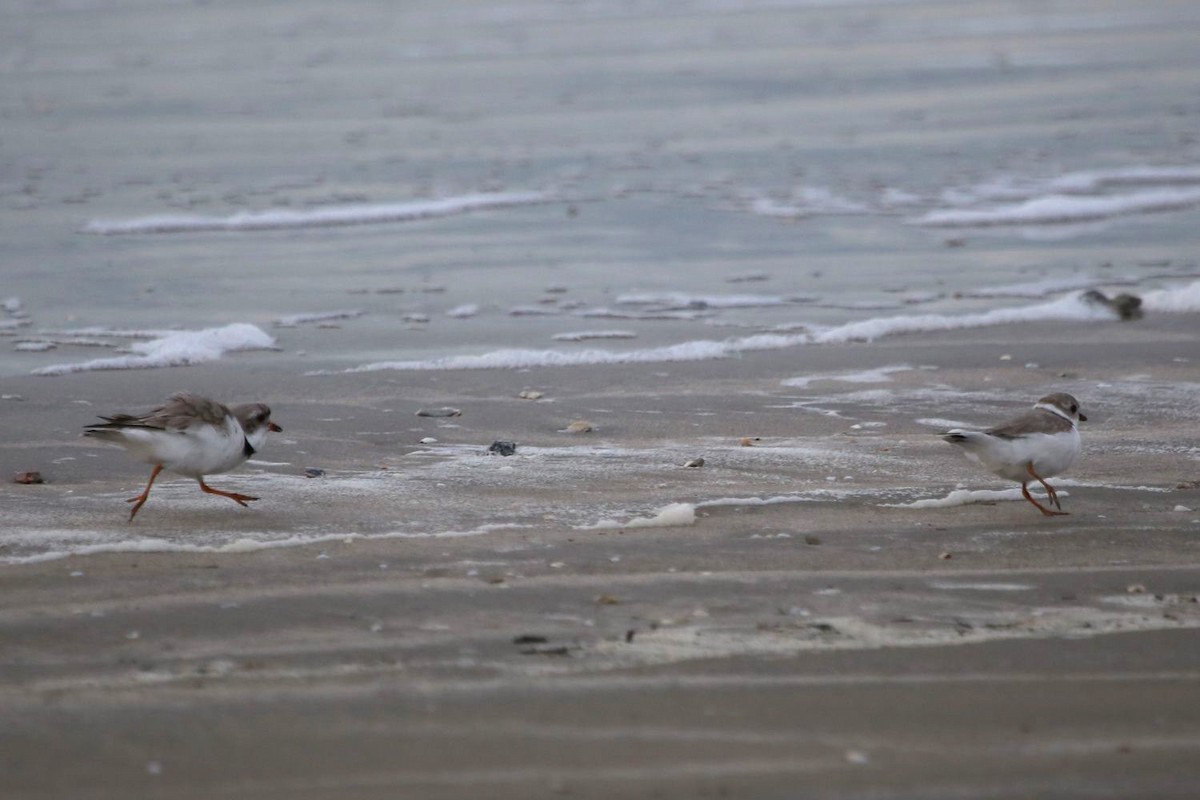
[[28, 477], [530, 639], [501, 448], [314, 472]]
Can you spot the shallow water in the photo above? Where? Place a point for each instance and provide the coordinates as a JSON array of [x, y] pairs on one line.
[[675, 150]]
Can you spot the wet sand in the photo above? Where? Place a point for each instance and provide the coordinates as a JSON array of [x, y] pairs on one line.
[[426, 621], [832, 646]]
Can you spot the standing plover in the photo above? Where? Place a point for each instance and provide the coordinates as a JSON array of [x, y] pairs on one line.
[[1036, 445]]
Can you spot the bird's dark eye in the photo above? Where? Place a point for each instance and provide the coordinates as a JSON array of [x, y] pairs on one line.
[[1074, 408]]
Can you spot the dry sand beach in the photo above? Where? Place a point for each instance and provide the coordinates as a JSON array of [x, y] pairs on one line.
[[792, 239]]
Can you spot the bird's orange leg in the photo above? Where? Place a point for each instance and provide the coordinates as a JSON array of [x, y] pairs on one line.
[[140, 500], [1051, 492], [1046, 511], [240, 499]]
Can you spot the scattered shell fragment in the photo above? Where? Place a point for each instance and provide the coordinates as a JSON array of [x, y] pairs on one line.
[[695, 462], [502, 448], [856, 757], [428, 440], [29, 477], [445, 411], [530, 394], [579, 426], [1135, 588]]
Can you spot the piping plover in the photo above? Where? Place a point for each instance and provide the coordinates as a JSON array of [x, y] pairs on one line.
[[191, 436], [1037, 445]]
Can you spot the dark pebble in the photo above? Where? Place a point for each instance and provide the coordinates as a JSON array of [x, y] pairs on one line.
[[530, 639], [28, 477], [546, 651], [313, 472], [500, 448]]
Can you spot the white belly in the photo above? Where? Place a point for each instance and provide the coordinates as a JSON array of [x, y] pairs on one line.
[[1050, 454], [197, 451]]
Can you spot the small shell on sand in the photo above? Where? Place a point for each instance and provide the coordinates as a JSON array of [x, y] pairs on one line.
[[530, 394], [748, 441], [445, 411], [579, 426], [695, 462], [428, 440]]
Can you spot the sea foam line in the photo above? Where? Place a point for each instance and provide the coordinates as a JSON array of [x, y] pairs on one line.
[[246, 544], [279, 218], [1065, 309], [1055, 209], [178, 348]]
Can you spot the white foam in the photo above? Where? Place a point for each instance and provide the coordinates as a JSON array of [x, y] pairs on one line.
[[674, 515], [805, 202], [279, 218], [1042, 288], [532, 311], [603, 312], [1178, 300], [1055, 209], [684, 300], [463, 311], [878, 375], [524, 359], [1097, 180], [965, 497], [580, 336], [1065, 309], [1069, 308], [243, 545], [783, 499], [179, 348], [980, 587], [292, 320]]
